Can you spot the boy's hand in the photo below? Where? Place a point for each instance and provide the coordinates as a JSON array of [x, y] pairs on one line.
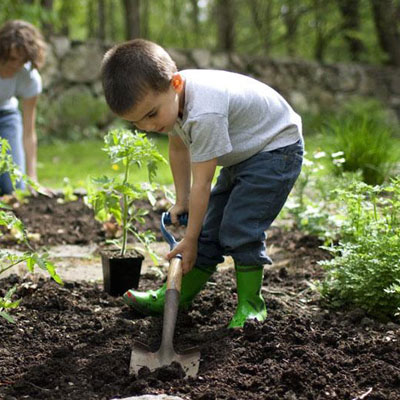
[[188, 249], [40, 190], [175, 211]]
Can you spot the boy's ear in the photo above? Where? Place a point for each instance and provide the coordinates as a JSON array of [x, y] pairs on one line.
[[177, 82]]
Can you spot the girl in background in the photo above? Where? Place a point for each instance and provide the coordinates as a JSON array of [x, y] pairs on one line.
[[22, 53]]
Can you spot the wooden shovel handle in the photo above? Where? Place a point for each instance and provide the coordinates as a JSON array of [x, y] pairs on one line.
[[174, 279]]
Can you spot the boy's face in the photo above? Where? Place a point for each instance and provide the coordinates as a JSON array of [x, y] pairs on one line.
[[158, 112]]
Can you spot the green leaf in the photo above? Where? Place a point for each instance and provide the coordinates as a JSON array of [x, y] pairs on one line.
[[7, 317], [9, 304], [52, 271], [151, 197], [30, 263]]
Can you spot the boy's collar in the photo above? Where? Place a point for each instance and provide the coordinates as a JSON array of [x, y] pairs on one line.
[[182, 100]]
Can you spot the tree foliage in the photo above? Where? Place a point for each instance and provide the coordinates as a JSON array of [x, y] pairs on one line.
[[325, 30]]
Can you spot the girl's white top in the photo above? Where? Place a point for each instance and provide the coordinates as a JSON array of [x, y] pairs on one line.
[[25, 83]]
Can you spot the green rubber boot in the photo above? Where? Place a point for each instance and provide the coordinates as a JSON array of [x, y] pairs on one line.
[[250, 302], [152, 301]]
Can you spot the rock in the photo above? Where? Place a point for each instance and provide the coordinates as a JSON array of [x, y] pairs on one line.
[[51, 70], [392, 326], [61, 45], [298, 101], [220, 61], [180, 58], [238, 62], [82, 63], [97, 89], [5, 352], [395, 84], [367, 322], [349, 77], [202, 58], [290, 395]]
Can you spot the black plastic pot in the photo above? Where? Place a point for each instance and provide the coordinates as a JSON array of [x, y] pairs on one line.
[[120, 273]]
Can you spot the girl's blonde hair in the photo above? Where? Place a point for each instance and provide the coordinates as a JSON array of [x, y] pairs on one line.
[[26, 39]]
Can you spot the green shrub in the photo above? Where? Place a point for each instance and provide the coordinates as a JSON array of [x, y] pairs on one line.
[[362, 130], [365, 270], [313, 204]]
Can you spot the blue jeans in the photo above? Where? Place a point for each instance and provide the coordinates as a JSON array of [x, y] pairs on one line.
[[11, 129], [243, 204]]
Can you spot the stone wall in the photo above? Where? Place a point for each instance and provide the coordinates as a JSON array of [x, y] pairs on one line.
[[308, 86]]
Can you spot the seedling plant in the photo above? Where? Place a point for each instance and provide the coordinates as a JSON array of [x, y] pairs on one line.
[[116, 196]]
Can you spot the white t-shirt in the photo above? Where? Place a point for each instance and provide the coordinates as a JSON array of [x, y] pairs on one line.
[[25, 83], [231, 117]]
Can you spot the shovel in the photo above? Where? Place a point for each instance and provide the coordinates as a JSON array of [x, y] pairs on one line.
[[141, 355]]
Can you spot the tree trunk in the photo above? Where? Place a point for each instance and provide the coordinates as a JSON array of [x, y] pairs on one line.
[[47, 28], [101, 32], [144, 19], [292, 11], [90, 19], [64, 18], [262, 17], [323, 33], [350, 10], [225, 17], [386, 18], [111, 20], [132, 18], [195, 21]]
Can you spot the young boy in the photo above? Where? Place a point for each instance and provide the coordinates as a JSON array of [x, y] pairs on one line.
[[211, 118]]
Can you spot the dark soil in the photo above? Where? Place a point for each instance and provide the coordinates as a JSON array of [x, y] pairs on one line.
[[54, 222], [74, 341]]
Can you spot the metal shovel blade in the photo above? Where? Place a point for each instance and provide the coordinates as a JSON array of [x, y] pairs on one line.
[[142, 357]]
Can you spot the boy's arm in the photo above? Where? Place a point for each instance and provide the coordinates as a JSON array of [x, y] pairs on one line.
[[203, 173], [179, 160]]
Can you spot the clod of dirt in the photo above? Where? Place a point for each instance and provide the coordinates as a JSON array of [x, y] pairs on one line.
[[169, 372]]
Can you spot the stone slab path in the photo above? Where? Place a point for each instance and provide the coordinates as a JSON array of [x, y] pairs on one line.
[[83, 263]]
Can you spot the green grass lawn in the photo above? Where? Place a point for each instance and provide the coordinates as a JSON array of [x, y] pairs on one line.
[[78, 161]]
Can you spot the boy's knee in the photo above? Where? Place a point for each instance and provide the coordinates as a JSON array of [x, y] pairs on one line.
[[253, 253], [251, 259]]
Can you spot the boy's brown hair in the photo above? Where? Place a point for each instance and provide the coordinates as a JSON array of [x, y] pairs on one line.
[[26, 39], [131, 69]]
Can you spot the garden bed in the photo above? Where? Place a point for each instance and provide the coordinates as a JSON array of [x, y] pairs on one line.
[[74, 341]]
